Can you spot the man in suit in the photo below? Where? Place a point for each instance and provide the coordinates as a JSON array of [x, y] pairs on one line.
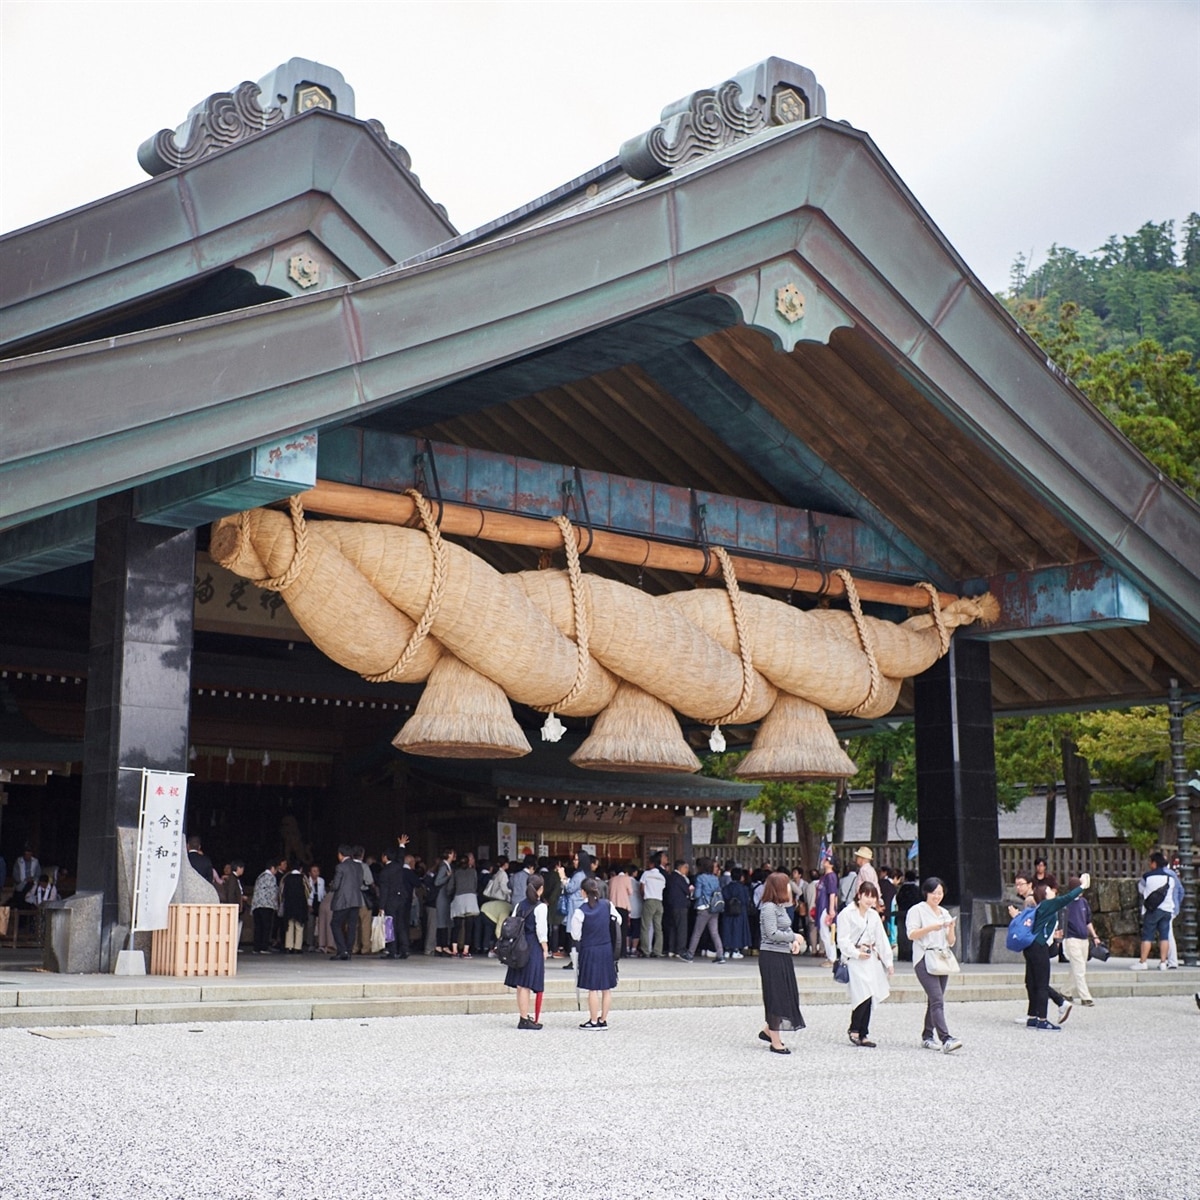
[[676, 897], [395, 898], [346, 892], [201, 863]]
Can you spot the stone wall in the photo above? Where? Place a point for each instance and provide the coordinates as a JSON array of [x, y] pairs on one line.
[[1116, 914]]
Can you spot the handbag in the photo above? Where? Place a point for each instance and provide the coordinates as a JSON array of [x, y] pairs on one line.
[[377, 938], [1098, 951], [841, 972], [941, 961]]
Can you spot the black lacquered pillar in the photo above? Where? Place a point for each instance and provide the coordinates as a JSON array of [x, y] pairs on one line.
[[139, 675], [957, 824]]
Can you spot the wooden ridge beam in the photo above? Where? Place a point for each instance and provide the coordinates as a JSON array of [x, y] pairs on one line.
[[462, 520]]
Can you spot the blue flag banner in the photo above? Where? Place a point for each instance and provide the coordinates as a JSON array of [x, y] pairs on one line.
[[912, 850]]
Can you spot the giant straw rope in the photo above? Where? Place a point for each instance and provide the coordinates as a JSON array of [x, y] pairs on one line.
[[392, 603]]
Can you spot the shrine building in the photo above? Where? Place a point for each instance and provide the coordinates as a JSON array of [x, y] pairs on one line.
[[309, 494]]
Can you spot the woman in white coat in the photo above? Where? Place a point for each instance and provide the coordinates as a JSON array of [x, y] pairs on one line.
[[863, 943]]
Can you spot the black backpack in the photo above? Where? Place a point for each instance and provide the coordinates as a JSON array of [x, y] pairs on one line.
[[512, 946], [1154, 900]]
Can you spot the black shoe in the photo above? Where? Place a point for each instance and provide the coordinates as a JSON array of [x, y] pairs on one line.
[[568, 966], [778, 1049], [762, 1037], [528, 1023]]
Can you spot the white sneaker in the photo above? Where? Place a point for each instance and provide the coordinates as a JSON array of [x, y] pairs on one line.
[[735, 954], [1139, 966], [1163, 967], [952, 1045], [929, 1044], [1064, 1012]]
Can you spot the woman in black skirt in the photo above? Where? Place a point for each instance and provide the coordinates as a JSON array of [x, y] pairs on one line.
[[778, 942], [530, 980], [592, 931]]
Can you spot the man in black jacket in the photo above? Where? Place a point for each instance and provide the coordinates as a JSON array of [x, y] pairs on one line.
[[676, 897], [200, 862], [395, 898]]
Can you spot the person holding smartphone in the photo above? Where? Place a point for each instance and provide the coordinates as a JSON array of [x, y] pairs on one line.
[[931, 927]]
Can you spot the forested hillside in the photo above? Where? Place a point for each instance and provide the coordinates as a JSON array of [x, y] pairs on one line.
[[1123, 322], [1145, 285]]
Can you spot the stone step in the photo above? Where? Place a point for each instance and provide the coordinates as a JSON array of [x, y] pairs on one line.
[[142, 1002]]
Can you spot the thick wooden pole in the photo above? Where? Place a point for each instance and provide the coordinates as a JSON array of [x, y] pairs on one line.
[[463, 520]]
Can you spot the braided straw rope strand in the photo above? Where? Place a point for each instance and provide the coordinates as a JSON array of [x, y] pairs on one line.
[[743, 640], [939, 621], [437, 549], [300, 529], [865, 640], [582, 615]]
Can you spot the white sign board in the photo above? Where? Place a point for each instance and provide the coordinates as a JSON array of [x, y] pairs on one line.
[[506, 839], [160, 846]]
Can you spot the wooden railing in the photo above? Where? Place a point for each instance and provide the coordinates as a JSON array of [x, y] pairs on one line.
[[1102, 860]]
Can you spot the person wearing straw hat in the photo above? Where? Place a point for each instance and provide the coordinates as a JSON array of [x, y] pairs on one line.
[[598, 944], [866, 871]]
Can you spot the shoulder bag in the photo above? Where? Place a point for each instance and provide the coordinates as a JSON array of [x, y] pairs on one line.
[[941, 961]]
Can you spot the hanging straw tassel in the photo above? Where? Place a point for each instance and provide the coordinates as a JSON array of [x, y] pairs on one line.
[[636, 732], [553, 728], [796, 742], [462, 714]]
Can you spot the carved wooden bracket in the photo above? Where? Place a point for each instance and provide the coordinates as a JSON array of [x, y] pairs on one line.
[[784, 301]]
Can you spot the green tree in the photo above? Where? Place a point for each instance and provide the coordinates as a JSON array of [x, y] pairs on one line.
[[1130, 751], [887, 765], [810, 803], [1142, 285], [1150, 395], [1040, 751]]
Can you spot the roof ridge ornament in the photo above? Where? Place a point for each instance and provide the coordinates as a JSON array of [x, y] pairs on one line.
[[221, 120], [772, 92], [226, 118]]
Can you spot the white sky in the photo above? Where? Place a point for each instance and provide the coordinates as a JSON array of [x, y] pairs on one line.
[[1016, 125]]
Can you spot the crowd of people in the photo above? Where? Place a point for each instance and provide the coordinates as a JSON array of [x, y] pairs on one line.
[[590, 914]]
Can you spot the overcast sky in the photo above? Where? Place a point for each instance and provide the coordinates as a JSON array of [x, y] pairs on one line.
[[1016, 125]]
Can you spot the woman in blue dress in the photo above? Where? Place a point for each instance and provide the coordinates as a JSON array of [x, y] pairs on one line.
[[530, 980], [592, 932]]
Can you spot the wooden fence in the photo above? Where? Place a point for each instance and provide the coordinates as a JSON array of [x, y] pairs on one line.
[[200, 939], [1102, 860]]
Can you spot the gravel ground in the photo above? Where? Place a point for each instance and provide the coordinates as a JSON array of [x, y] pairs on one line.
[[668, 1102]]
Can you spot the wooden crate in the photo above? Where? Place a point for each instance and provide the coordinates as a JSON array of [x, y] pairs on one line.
[[200, 939]]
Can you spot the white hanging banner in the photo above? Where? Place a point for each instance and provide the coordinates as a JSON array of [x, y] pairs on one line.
[[160, 846], [506, 838]]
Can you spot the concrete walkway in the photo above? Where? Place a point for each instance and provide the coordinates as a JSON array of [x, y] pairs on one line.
[[674, 1103]]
